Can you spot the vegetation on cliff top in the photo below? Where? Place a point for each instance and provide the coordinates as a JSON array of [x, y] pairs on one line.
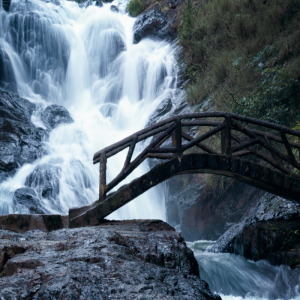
[[244, 55], [135, 7]]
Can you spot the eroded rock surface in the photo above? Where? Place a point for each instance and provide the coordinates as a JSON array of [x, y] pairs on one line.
[[55, 115], [271, 231], [20, 140], [159, 20], [139, 259]]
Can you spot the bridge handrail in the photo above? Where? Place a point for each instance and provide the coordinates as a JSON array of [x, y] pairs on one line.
[[174, 125]]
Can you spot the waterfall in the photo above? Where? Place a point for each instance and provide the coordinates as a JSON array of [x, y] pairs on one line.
[[85, 60]]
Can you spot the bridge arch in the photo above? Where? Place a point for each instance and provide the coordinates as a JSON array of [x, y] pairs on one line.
[[251, 173]]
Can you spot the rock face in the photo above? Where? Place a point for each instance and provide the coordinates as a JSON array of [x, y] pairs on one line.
[[20, 141], [159, 20], [6, 5], [55, 115], [29, 198], [270, 231], [204, 211], [138, 259]]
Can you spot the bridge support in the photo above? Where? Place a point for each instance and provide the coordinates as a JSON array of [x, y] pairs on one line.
[[243, 170]]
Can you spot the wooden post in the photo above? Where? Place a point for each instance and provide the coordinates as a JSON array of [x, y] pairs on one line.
[[102, 183], [226, 137], [177, 139]]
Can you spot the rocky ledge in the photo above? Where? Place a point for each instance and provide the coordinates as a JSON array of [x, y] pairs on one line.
[[139, 259], [270, 231]]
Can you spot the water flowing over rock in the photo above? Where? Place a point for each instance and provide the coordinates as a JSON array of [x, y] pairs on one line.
[[270, 230], [21, 141], [118, 260], [109, 84], [54, 115], [28, 197], [7, 76]]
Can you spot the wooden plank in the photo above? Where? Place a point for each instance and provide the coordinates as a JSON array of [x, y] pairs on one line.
[[163, 150], [202, 137], [160, 156], [139, 159], [130, 152], [287, 146], [102, 183], [199, 145]]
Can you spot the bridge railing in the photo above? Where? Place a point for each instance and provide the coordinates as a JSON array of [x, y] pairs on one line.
[[236, 140]]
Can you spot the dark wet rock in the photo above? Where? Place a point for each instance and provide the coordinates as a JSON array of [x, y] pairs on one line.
[[7, 76], [271, 230], [152, 24], [114, 8], [99, 3], [159, 20], [139, 259], [20, 141], [6, 5], [55, 115], [45, 180], [28, 198], [85, 4], [162, 109]]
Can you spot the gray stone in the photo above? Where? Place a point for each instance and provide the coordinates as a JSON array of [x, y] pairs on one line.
[[55, 115], [139, 259]]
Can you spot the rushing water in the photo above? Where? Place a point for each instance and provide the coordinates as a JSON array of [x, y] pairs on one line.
[[235, 278], [85, 60]]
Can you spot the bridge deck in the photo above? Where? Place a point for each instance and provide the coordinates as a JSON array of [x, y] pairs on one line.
[[271, 152]]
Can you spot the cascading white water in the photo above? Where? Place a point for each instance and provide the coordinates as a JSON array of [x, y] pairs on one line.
[[236, 278], [85, 60]]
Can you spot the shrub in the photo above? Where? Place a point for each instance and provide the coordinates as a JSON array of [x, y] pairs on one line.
[[135, 7], [222, 45]]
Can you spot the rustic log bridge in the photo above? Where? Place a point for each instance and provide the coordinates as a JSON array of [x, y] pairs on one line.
[[272, 146]]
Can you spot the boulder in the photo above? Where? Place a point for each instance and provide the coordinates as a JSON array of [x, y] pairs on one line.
[[99, 3], [6, 5], [152, 24], [135, 259], [20, 140], [45, 180], [159, 20], [27, 197], [55, 115], [270, 231], [114, 8]]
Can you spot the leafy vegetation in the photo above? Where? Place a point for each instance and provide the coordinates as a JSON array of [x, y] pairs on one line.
[[244, 55], [135, 7]]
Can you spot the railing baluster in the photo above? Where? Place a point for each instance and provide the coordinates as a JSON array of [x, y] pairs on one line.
[[102, 185], [226, 137], [130, 152]]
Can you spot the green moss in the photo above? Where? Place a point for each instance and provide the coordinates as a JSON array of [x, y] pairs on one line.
[[135, 7], [292, 262]]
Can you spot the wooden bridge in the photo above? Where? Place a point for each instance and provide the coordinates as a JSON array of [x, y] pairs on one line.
[[262, 154]]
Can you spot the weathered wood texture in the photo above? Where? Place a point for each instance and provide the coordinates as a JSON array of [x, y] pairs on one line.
[[254, 174], [233, 135]]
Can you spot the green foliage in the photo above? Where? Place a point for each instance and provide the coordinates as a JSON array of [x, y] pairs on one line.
[[224, 42], [277, 96], [135, 7]]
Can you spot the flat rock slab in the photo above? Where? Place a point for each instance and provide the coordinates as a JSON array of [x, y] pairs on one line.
[[139, 259]]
